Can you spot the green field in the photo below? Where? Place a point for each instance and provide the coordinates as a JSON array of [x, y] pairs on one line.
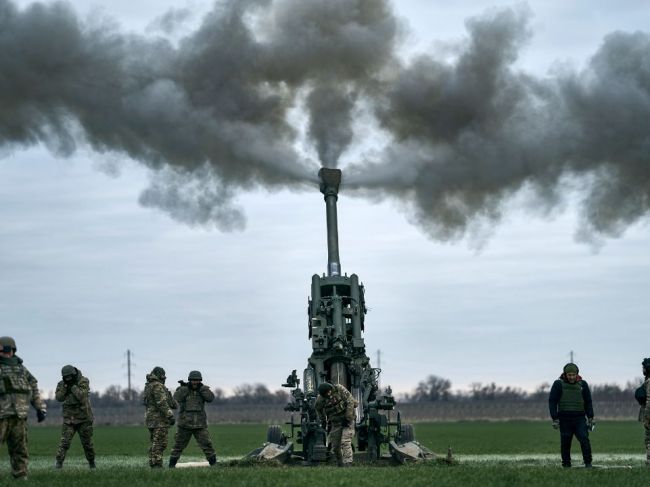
[[489, 453]]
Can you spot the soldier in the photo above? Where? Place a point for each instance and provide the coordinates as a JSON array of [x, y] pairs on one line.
[[643, 396], [572, 412], [336, 405], [18, 388], [73, 391], [159, 416], [192, 421]]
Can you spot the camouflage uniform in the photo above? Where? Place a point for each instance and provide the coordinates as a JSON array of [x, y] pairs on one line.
[[338, 409], [192, 421], [18, 388], [77, 416], [158, 416]]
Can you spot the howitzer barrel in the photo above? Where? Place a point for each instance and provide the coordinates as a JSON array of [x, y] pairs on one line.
[[329, 186]]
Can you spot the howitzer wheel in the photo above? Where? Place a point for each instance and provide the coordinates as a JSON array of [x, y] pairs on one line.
[[274, 435], [406, 433]]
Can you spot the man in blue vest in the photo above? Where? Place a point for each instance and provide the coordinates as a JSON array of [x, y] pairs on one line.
[[572, 412]]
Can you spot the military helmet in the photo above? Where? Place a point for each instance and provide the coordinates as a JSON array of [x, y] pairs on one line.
[[194, 375], [68, 370], [159, 372], [324, 388], [8, 344]]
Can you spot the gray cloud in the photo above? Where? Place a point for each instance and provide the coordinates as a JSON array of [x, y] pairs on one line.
[[471, 133], [209, 114]]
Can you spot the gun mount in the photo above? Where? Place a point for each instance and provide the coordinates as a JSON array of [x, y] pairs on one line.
[[336, 320]]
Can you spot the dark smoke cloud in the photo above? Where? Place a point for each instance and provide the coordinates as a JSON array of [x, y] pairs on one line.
[[471, 134], [211, 108], [210, 114]]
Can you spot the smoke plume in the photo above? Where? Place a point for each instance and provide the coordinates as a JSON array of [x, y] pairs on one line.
[[210, 115], [470, 134]]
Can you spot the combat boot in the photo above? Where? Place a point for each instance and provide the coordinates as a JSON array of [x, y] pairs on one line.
[[91, 465], [58, 464], [172, 462], [213, 460]]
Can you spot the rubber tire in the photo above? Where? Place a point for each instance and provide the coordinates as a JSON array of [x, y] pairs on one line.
[[274, 435], [406, 433]]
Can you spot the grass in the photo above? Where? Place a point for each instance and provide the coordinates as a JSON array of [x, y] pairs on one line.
[[490, 453]]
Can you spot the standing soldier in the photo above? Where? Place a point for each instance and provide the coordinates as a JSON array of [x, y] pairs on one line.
[[158, 416], [18, 388], [192, 420], [336, 405], [572, 412], [643, 396], [73, 391]]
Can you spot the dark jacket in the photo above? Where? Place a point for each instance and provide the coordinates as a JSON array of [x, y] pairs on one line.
[[556, 394]]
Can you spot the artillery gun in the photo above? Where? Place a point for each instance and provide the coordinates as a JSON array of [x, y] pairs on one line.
[[336, 322]]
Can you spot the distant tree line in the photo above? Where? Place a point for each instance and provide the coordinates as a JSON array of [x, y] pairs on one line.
[[245, 394], [431, 389], [435, 388]]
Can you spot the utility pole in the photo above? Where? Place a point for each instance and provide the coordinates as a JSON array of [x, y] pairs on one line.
[[571, 355], [128, 369]]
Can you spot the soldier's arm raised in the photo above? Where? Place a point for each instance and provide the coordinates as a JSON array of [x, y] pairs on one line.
[[81, 389], [207, 394], [181, 393], [61, 391]]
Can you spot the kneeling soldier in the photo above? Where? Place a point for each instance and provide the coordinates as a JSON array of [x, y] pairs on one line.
[[336, 405], [158, 416], [73, 391], [192, 420]]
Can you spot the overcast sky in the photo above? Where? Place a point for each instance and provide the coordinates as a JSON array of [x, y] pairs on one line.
[[87, 273]]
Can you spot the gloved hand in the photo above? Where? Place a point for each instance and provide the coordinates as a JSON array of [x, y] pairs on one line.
[[172, 420], [591, 424], [41, 415], [556, 424]]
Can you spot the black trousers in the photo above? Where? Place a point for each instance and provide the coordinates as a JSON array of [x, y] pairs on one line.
[[570, 426]]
